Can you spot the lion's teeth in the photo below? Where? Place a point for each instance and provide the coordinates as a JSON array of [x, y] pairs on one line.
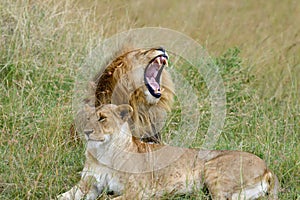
[[164, 61], [158, 90], [158, 61]]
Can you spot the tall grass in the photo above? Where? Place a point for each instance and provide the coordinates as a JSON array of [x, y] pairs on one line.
[[43, 43]]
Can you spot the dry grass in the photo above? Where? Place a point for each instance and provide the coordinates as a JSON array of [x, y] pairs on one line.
[[43, 44], [266, 32]]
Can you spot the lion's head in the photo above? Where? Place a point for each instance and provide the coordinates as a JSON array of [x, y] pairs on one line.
[[133, 70], [138, 78]]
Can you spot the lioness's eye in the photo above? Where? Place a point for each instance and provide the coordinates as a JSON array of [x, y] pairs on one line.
[[101, 119]]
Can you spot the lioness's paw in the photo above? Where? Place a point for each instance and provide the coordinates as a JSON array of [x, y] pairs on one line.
[[62, 197], [71, 195]]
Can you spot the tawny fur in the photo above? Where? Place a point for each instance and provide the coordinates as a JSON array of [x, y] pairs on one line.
[[122, 81], [113, 157]]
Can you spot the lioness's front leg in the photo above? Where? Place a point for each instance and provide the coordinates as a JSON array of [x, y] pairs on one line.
[[86, 188]]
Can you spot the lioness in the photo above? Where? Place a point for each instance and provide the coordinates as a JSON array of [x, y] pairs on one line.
[[113, 158], [137, 77]]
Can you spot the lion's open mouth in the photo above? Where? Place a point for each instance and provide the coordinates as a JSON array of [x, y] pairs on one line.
[[152, 74]]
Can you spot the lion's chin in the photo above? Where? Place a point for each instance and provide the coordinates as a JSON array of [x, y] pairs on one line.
[[150, 98]]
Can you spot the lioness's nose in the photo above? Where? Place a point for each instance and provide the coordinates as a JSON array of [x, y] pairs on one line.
[[88, 132]]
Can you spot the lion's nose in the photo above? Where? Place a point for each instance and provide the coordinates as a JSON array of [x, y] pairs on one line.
[[88, 132], [161, 49]]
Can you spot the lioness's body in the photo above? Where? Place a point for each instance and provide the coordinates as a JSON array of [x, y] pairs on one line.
[[135, 170]]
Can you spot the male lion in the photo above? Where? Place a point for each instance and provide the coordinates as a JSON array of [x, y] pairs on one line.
[[138, 78], [113, 156]]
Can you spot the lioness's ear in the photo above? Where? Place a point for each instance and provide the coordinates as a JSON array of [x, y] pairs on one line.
[[88, 108], [124, 111]]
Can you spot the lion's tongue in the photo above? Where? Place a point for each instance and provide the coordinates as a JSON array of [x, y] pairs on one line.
[[151, 75]]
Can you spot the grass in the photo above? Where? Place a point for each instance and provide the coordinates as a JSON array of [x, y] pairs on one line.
[[43, 44]]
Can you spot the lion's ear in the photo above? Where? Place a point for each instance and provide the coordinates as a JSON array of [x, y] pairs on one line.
[[124, 111]]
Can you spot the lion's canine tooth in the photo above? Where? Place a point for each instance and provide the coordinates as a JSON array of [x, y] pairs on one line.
[[158, 61]]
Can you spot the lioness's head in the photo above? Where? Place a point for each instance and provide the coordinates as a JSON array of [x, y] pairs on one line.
[[104, 121]]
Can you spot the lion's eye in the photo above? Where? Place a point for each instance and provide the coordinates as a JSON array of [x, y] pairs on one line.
[[102, 119]]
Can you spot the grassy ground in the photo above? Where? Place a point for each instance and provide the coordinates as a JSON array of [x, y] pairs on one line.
[[43, 44]]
